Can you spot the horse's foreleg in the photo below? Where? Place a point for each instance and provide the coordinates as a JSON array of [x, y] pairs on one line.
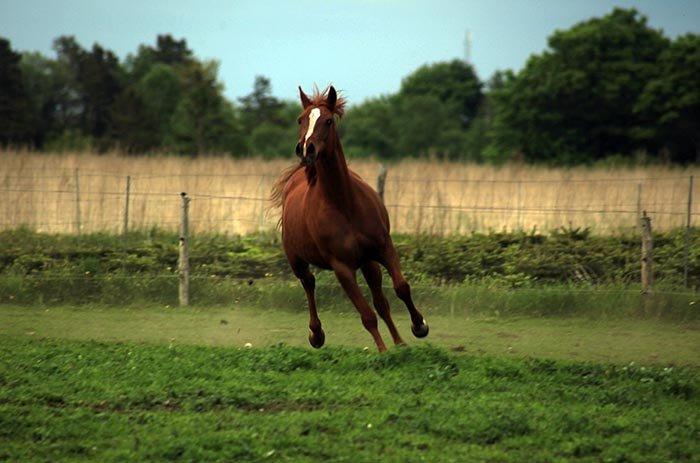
[[403, 291], [316, 335], [373, 275], [347, 279]]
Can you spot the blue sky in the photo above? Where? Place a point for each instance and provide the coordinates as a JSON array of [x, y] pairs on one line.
[[364, 47]]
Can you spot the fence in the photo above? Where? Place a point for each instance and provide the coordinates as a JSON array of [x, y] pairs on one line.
[[77, 201]]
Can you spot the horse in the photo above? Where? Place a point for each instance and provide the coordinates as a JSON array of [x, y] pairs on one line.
[[333, 220]]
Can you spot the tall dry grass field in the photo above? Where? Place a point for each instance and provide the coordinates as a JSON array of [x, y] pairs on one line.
[[70, 192]]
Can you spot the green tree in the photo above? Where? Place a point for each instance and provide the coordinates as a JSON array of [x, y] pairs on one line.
[[16, 124], [98, 80], [260, 106], [203, 121], [454, 84], [671, 101], [367, 129], [167, 51], [426, 126], [575, 102], [135, 128], [143, 111], [276, 137]]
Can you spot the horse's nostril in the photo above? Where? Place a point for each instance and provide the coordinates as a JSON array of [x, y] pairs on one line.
[[298, 149], [310, 149]]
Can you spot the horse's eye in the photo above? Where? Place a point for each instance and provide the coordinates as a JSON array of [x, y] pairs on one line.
[[329, 121], [299, 121]]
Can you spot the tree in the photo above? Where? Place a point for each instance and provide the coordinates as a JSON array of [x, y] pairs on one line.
[[260, 106], [453, 83], [15, 107], [671, 101], [98, 82], [143, 111], [203, 122], [278, 136], [167, 51], [135, 128], [367, 129], [575, 102]]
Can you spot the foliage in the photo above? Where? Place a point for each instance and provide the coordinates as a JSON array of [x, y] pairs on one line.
[[203, 122], [575, 102], [454, 84], [412, 404], [429, 115], [672, 100], [566, 256], [608, 87], [15, 115], [507, 273]]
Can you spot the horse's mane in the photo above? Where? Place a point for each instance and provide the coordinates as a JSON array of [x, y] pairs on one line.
[[277, 194], [319, 98]]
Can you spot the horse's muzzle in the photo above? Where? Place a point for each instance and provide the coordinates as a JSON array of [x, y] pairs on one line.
[[307, 156]]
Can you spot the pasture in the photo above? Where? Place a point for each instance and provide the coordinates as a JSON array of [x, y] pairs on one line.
[[230, 195], [146, 399], [541, 346]]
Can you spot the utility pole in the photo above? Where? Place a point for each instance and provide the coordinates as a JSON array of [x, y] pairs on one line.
[[468, 47]]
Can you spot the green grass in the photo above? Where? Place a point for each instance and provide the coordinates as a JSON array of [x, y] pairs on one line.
[[569, 272], [82, 400], [645, 342]]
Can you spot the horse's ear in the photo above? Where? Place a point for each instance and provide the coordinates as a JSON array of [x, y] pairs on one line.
[[331, 99], [305, 102]]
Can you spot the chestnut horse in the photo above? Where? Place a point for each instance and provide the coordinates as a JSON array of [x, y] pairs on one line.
[[333, 220]]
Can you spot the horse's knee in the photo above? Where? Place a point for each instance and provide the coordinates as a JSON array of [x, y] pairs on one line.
[[403, 290], [381, 304], [369, 321]]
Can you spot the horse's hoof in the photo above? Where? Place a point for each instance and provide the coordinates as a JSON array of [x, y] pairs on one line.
[[317, 339], [420, 331]]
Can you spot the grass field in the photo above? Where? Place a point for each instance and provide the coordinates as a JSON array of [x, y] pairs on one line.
[[110, 384], [72, 400], [229, 195], [619, 340]]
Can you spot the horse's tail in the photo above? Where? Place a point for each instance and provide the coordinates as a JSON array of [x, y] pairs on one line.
[[277, 193]]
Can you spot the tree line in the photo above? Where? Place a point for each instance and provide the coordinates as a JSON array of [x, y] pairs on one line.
[[608, 87]]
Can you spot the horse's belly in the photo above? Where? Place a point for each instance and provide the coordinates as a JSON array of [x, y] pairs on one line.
[[310, 253], [298, 243]]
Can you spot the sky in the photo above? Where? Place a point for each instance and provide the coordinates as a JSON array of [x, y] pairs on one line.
[[364, 47]]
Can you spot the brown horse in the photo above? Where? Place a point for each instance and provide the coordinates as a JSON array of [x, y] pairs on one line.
[[332, 219]]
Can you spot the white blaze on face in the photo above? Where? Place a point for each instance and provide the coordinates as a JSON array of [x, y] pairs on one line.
[[313, 117]]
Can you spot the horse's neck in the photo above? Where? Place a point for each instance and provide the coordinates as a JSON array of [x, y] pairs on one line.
[[334, 179]]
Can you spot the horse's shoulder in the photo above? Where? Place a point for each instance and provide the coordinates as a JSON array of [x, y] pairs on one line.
[[296, 179]]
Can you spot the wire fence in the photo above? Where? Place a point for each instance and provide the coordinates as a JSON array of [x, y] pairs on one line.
[[81, 201]]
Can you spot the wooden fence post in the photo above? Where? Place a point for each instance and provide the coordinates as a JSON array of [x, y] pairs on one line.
[[126, 204], [686, 256], [184, 258], [77, 201], [639, 204], [381, 180], [647, 256], [520, 199]]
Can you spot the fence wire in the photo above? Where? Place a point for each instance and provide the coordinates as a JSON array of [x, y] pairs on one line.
[[98, 201]]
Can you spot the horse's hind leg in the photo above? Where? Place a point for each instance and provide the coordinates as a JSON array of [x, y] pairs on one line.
[[316, 335], [373, 276], [347, 279], [391, 261]]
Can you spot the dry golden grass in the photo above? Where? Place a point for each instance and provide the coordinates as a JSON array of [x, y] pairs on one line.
[[230, 195]]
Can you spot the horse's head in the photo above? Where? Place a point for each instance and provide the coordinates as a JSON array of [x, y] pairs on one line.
[[317, 133]]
